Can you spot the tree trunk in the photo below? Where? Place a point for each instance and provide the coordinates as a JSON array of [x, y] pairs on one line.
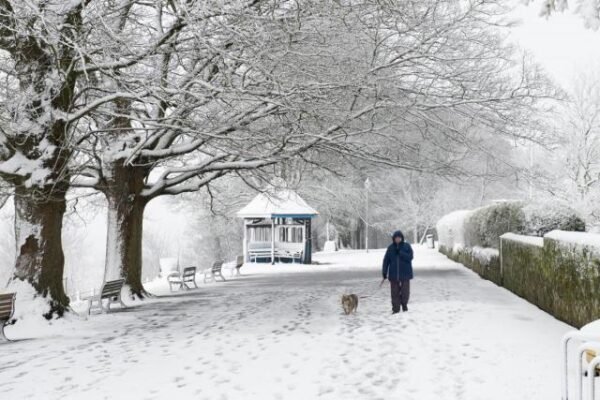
[[125, 226], [38, 230]]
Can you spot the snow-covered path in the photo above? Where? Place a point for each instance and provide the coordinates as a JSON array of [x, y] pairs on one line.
[[278, 333]]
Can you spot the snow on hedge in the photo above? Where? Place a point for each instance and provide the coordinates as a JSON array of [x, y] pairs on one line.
[[484, 254], [451, 229], [577, 238], [483, 226], [530, 240], [543, 217]]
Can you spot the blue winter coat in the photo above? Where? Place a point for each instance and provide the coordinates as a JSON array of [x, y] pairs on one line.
[[397, 262]]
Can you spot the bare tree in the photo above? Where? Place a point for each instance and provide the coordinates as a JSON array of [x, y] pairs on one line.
[[588, 10], [581, 139], [571, 168]]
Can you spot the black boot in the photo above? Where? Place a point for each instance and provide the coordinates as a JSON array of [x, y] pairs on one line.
[[404, 308], [395, 310]]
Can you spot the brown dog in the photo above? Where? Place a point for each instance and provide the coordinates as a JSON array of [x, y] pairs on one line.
[[349, 303]]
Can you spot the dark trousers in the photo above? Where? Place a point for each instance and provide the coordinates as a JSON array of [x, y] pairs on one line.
[[400, 293]]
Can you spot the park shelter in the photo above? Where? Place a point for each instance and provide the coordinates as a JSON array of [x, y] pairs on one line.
[[277, 226]]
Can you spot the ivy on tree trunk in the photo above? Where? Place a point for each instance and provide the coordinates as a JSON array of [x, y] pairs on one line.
[[40, 258], [125, 225]]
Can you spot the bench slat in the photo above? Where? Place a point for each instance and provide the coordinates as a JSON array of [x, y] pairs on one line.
[[6, 309], [113, 285], [4, 315], [111, 289], [6, 312], [5, 302], [189, 272]]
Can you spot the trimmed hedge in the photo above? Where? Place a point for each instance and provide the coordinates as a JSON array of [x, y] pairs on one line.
[[486, 224], [483, 226], [451, 229], [486, 268], [541, 218], [575, 273], [561, 278], [524, 275]]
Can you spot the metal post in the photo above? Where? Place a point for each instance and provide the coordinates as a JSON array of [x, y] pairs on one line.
[[304, 231], [367, 186], [501, 262], [589, 342], [591, 377]]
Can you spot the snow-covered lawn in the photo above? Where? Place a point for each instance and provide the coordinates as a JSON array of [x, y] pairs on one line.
[[278, 333]]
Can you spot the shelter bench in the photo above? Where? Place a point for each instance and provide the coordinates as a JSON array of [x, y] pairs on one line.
[[187, 277], [111, 291], [7, 310], [279, 253], [255, 254], [213, 272], [294, 255]]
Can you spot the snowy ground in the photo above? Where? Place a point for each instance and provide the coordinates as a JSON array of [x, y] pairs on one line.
[[278, 333]]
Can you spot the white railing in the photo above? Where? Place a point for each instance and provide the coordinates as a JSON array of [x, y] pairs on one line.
[[587, 343], [81, 295]]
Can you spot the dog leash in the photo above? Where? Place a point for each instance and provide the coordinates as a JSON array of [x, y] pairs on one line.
[[378, 287]]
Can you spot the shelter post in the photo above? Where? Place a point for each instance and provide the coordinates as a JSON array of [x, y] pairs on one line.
[[272, 240]]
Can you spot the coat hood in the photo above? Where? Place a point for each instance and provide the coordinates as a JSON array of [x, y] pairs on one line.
[[398, 234]]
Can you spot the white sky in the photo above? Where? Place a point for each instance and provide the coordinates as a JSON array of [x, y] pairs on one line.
[[561, 44]]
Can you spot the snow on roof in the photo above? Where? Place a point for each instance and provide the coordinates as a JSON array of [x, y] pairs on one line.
[[532, 240], [280, 204], [579, 238]]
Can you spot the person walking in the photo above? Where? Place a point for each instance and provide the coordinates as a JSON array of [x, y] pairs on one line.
[[397, 268]]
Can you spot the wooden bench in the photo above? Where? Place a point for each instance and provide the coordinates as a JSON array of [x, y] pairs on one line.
[[239, 263], [234, 266], [7, 309], [111, 291], [188, 276], [214, 272]]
